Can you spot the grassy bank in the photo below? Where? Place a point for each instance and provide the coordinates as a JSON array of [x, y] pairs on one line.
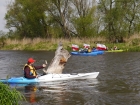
[[130, 44]]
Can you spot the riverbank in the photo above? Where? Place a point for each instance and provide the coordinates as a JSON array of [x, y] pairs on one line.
[[131, 44]]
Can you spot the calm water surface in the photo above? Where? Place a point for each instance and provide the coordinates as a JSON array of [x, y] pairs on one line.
[[117, 84]]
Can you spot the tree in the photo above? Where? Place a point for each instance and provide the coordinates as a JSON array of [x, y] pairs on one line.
[[120, 18], [27, 18], [131, 17], [59, 11], [83, 18], [113, 19]]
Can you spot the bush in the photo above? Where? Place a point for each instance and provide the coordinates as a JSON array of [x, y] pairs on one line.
[[9, 96]]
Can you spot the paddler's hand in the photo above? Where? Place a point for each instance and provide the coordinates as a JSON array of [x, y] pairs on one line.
[[44, 65], [37, 76]]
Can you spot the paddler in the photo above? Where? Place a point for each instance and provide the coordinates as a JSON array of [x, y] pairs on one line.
[[30, 69]]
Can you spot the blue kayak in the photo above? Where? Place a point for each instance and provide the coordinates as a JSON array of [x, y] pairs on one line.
[[21, 80], [93, 53], [98, 51], [84, 53]]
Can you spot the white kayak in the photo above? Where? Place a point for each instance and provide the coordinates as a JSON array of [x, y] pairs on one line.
[[56, 77], [51, 77]]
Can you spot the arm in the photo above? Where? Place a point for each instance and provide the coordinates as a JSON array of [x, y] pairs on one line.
[[38, 67]]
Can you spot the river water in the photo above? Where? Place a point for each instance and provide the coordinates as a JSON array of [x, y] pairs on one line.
[[117, 84]]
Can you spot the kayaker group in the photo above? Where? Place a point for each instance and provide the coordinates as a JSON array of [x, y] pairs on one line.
[[87, 48]]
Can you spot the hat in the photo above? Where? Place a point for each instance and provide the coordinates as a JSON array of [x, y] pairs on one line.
[[31, 60]]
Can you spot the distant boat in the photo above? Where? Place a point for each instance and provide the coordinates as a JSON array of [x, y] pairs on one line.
[[93, 53], [115, 50]]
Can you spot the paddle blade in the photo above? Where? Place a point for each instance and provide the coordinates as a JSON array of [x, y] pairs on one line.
[[46, 62]]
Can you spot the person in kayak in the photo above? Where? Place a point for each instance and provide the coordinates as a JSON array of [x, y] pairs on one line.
[[89, 50], [30, 69]]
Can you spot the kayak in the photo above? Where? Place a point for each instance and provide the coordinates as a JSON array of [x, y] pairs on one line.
[[114, 50], [93, 53], [50, 77], [84, 53], [98, 51]]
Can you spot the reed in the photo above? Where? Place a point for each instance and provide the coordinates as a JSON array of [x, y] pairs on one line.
[[51, 43]]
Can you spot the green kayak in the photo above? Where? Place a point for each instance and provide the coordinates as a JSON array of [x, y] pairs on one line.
[[114, 50]]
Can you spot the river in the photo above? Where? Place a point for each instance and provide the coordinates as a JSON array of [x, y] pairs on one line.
[[117, 84]]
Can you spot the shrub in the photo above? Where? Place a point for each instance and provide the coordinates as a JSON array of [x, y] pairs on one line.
[[9, 96]]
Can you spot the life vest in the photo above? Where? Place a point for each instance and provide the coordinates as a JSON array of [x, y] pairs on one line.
[[32, 70], [89, 50]]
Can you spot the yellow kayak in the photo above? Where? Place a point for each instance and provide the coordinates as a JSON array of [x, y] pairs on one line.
[[114, 50]]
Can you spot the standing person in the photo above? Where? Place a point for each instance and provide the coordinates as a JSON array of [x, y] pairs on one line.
[[30, 69]]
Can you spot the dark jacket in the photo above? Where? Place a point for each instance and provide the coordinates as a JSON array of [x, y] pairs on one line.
[[27, 71]]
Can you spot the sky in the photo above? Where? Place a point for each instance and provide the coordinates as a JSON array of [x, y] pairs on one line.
[[3, 10]]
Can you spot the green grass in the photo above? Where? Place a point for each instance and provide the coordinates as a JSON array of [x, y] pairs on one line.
[[132, 44]]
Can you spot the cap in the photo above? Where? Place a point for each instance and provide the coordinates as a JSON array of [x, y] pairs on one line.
[[31, 60]]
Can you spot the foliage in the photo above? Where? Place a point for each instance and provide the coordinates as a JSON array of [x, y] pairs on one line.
[[2, 38], [84, 20], [27, 18], [9, 96], [135, 42], [113, 19], [134, 49], [11, 46], [1, 33], [119, 17]]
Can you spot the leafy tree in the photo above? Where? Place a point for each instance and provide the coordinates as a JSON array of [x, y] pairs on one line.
[[59, 12], [120, 18], [131, 17], [109, 17], [83, 18], [27, 18], [113, 19]]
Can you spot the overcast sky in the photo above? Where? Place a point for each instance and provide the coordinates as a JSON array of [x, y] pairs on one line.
[[3, 4]]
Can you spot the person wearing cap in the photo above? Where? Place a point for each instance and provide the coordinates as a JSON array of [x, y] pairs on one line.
[[30, 69]]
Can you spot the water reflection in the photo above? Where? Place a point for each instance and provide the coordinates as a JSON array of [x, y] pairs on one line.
[[60, 93], [30, 93], [63, 92]]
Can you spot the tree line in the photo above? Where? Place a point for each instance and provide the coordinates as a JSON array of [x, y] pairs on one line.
[[113, 19]]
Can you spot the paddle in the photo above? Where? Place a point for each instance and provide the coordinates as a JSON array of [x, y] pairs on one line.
[[44, 71], [44, 68]]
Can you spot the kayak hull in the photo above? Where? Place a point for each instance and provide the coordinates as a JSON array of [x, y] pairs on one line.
[[99, 52], [57, 77], [20, 80], [93, 53], [50, 77], [114, 51]]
